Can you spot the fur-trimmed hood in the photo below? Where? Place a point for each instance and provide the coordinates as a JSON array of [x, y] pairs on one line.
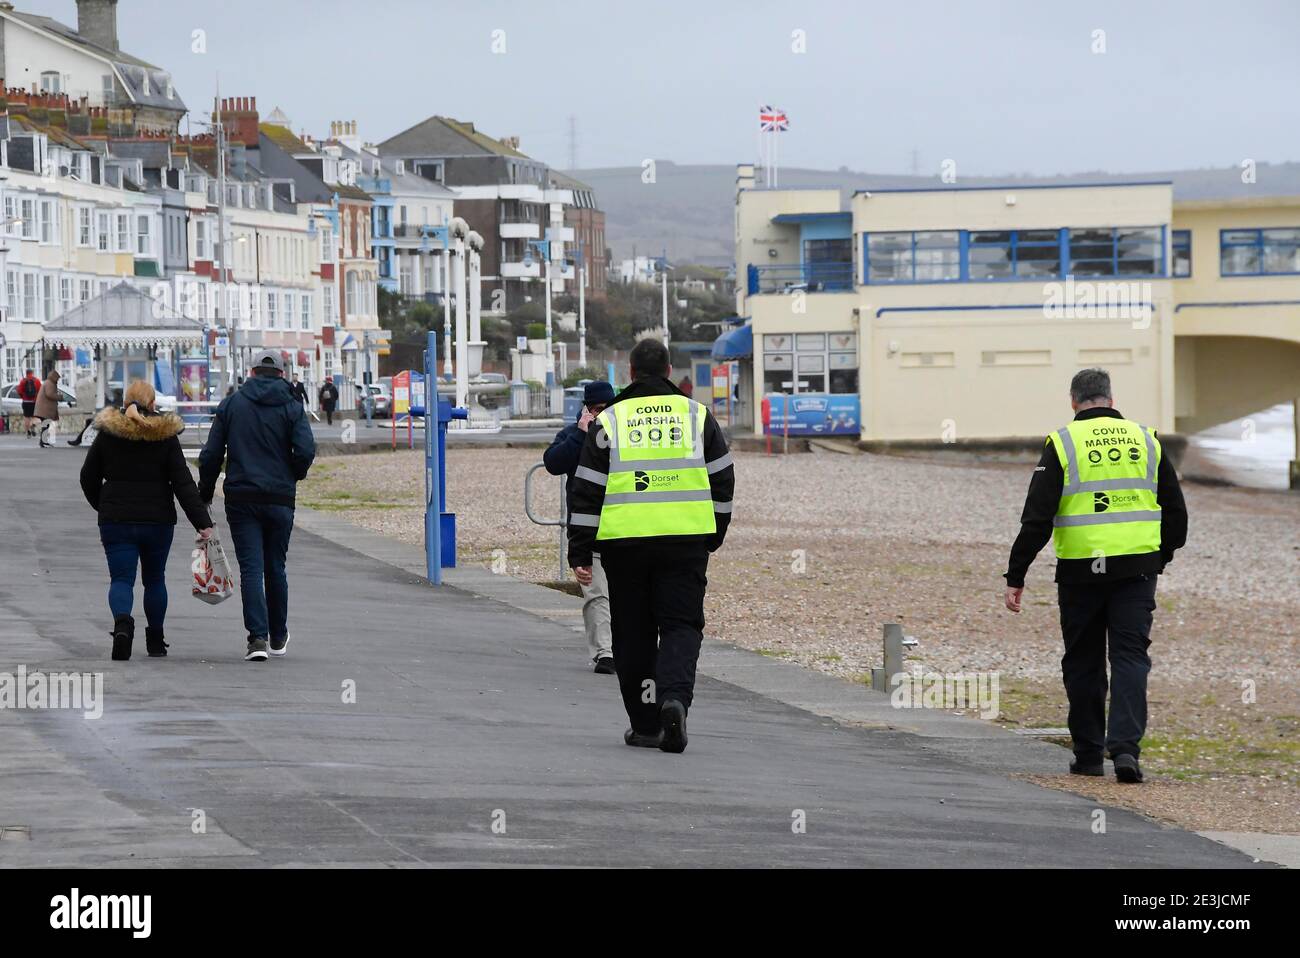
[[145, 427]]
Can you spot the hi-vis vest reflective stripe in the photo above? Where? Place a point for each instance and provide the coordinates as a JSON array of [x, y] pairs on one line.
[[1108, 503], [658, 482]]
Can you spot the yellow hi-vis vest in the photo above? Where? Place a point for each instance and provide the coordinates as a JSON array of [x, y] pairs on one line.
[[658, 480], [1108, 503]]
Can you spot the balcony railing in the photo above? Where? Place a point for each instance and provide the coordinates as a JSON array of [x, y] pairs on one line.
[[809, 277]]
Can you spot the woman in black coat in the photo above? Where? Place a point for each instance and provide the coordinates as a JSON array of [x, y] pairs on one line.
[[329, 397], [131, 473]]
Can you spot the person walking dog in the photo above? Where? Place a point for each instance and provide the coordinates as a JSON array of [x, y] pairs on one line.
[[132, 472], [262, 435]]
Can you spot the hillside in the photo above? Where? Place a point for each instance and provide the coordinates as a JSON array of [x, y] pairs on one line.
[[688, 209]]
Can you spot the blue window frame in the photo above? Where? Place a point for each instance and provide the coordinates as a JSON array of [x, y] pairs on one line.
[[1181, 242], [1259, 252], [982, 256], [933, 256]]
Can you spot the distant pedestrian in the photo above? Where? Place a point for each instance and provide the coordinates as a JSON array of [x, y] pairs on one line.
[[1107, 496], [29, 389], [652, 493], [132, 472], [299, 390], [329, 398], [561, 459], [47, 408], [262, 435], [686, 388]]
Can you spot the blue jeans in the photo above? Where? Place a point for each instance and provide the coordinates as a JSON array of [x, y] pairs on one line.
[[261, 536], [126, 545]]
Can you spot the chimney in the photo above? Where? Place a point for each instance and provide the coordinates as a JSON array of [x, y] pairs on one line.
[[239, 116], [97, 22]]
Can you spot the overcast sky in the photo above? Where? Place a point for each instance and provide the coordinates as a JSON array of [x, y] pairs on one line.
[[999, 87]]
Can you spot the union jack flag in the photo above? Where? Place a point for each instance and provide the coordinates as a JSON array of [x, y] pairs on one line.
[[772, 120]]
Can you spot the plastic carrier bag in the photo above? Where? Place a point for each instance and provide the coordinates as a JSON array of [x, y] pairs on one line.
[[213, 581]]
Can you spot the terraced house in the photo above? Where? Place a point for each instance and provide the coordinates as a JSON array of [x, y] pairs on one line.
[[508, 197], [77, 221], [964, 309]]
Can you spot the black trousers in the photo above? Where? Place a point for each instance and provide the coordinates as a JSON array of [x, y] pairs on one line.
[[656, 608], [1097, 619]]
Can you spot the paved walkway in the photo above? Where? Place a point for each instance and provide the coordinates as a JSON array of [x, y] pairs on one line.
[[472, 712]]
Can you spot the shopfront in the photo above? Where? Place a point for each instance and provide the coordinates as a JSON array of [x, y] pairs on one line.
[[810, 382], [127, 336]]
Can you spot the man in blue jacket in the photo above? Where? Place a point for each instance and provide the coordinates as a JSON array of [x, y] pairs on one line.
[[262, 434], [562, 460]]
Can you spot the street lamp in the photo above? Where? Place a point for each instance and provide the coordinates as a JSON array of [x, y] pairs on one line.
[[460, 234], [544, 248], [476, 344]]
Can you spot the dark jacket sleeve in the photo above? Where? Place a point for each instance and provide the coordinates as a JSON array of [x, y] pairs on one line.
[[92, 473], [303, 451], [722, 478], [1173, 510], [213, 455], [561, 457], [1041, 503], [587, 497], [182, 482]]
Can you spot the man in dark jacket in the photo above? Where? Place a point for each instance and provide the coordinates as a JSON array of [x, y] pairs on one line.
[[262, 434], [652, 492], [299, 390], [1116, 525], [561, 459]]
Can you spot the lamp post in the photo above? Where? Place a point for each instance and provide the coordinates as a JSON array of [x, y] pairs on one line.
[[544, 248], [459, 231], [476, 344], [582, 305]]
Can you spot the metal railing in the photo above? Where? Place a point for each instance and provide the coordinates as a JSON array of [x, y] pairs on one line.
[[199, 415], [562, 521], [809, 277]]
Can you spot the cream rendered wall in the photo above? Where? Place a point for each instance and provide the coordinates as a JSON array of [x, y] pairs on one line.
[[927, 375], [1234, 360], [756, 234], [29, 52]]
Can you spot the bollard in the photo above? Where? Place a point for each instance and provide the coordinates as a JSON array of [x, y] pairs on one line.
[[895, 643]]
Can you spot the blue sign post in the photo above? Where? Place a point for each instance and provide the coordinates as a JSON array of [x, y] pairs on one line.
[[439, 524]]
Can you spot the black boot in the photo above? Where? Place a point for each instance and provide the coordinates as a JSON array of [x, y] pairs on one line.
[[153, 641], [123, 635]]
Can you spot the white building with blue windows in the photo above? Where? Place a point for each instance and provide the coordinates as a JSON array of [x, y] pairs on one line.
[[958, 313]]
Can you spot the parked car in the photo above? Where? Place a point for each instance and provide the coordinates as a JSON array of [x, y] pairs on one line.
[[496, 400], [381, 402], [12, 405]]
